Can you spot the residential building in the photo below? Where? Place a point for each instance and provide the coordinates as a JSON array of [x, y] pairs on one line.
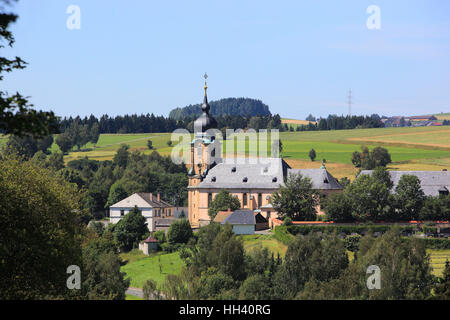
[[152, 207]]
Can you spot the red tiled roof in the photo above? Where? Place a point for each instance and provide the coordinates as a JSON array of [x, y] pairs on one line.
[[150, 239]]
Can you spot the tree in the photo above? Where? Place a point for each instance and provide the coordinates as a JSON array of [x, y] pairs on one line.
[[169, 143], [150, 290], [356, 159], [381, 175], [370, 160], [296, 199], [17, 116], [312, 154], [94, 133], [98, 227], [223, 201], [323, 124], [116, 193], [56, 161], [338, 208], [309, 259], [23, 146], [130, 230], [121, 156], [255, 287], [370, 199], [180, 231], [41, 231], [150, 144], [101, 276], [310, 117], [64, 142], [381, 157], [409, 197]]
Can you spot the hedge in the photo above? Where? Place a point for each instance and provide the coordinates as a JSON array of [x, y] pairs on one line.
[[304, 230]]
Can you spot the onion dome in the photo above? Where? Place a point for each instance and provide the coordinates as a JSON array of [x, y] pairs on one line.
[[205, 121]]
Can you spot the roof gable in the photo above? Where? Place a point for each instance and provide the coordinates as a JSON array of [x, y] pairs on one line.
[[321, 179]]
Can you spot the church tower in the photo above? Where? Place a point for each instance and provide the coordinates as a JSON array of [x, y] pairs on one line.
[[205, 154]]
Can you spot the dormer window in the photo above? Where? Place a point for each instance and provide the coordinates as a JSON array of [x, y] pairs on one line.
[[213, 179], [266, 169], [325, 180], [274, 179], [233, 169], [245, 179]]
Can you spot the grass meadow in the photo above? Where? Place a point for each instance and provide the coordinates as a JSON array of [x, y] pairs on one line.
[[266, 241], [139, 267]]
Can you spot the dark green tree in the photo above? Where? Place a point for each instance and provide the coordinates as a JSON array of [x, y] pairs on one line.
[[130, 230], [101, 276], [41, 231], [121, 156], [180, 231], [223, 201], [296, 199], [312, 154], [409, 197]]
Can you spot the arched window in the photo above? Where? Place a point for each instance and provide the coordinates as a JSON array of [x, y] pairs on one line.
[[244, 199]]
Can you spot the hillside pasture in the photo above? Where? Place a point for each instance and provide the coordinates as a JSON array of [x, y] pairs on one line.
[[139, 267], [420, 148]]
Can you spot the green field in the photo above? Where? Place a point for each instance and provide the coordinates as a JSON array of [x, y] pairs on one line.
[[131, 297], [139, 267], [438, 258], [266, 241]]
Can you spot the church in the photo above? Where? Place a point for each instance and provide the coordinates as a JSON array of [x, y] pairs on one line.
[[252, 182]]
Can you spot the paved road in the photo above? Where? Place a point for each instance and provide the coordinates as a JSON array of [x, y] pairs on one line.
[[135, 292]]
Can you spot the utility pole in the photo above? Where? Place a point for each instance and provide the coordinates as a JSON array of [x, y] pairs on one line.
[[350, 103]]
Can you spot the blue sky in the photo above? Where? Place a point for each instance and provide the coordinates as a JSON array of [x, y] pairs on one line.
[[299, 57]]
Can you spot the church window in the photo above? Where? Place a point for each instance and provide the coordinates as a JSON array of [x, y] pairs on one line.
[[244, 199], [209, 199]]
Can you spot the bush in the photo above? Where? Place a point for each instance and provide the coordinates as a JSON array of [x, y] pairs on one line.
[[179, 232], [160, 235], [287, 221]]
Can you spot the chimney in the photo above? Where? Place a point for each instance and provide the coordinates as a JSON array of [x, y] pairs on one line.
[[151, 196], [158, 197]]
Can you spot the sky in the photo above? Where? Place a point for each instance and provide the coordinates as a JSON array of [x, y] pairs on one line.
[[298, 57]]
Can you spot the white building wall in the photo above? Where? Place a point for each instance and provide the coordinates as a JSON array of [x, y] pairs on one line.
[[115, 216]]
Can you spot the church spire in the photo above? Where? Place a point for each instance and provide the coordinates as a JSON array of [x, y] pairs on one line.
[[205, 106]]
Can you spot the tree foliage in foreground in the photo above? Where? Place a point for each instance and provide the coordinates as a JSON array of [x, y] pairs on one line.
[[41, 231]]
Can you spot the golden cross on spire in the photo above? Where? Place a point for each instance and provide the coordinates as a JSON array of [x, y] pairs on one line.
[[206, 77]]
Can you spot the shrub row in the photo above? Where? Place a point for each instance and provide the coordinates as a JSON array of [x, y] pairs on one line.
[[359, 229]]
